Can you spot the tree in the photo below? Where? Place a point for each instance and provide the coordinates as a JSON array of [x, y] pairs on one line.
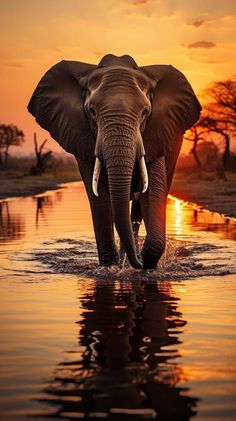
[[220, 114], [213, 125], [42, 156], [209, 155], [10, 135], [195, 135]]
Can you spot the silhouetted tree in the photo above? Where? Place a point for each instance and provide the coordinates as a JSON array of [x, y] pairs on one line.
[[209, 155], [42, 157], [10, 135], [213, 125], [196, 134], [220, 114]]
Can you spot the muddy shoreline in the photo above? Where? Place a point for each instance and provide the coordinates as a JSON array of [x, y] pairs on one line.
[[205, 190], [30, 186], [212, 193]]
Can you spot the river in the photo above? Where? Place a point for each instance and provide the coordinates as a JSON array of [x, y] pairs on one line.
[[83, 342]]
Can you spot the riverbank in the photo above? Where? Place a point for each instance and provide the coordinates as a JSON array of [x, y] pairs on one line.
[[16, 185], [204, 189]]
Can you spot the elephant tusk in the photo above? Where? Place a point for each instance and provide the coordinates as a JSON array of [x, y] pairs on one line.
[[96, 174], [144, 174]]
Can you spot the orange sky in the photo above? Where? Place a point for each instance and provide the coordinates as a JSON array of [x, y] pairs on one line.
[[199, 38]]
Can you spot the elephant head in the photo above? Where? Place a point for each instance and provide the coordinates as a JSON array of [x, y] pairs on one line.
[[114, 114]]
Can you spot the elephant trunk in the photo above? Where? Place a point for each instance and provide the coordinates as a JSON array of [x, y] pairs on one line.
[[119, 178]]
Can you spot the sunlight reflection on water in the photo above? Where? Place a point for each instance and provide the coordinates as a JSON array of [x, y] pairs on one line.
[[81, 342]]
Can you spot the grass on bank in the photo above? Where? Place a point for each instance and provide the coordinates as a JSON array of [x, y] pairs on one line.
[[16, 180]]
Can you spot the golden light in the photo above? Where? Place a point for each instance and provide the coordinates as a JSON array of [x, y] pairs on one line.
[[178, 223], [152, 32]]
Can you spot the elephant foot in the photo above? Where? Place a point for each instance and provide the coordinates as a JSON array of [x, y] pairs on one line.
[[149, 264], [152, 251], [109, 263], [137, 265], [109, 259], [122, 253], [150, 261]]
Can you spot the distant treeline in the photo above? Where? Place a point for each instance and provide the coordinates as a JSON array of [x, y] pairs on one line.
[[59, 166]]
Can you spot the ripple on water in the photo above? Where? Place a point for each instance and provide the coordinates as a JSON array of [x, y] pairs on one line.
[[181, 260]]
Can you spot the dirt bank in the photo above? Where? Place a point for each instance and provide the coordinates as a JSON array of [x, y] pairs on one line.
[[17, 185], [207, 190]]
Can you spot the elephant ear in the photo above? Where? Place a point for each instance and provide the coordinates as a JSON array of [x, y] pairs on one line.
[[57, 105], [175, 108]]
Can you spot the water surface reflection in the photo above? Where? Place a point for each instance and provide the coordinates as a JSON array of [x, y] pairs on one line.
[[128, 360], [12, 224], [44, 203], [183, 217], [74, 343], [61, 210]]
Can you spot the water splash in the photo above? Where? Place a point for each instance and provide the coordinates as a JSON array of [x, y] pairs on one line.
[[181, 260]]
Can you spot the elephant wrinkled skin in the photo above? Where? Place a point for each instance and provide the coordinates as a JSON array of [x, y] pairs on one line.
[[125, 125]]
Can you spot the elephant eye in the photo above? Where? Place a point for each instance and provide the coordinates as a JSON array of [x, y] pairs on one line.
[[92, 112], [145, 112]]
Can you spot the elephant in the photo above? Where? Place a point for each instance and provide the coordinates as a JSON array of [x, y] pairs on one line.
[[124, 124]]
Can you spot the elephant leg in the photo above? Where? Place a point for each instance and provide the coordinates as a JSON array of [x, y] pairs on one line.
[[101, 214], [153, 206], [171, 159]]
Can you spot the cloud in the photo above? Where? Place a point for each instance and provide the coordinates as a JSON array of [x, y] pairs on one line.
[[213, 61], [169, 16], [12, 64], [139, 2], [203, 60], [10, 61], [137, 8], [202, 44], [196, 23]]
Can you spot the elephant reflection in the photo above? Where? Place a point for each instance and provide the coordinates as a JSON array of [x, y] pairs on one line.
[[126, 360], [125, 125]]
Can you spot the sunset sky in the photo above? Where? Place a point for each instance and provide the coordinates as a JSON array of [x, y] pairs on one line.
[[199, 38]]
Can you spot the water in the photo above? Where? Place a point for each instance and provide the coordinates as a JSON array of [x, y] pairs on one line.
[[78, 341]]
